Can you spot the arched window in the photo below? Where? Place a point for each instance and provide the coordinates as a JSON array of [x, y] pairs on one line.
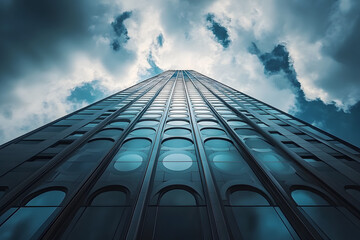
[[354, 192], [332, 221], [25, 221], [49, 198], [247, 198], [254, 216], [110, 198], [308, 198], [177, 197]]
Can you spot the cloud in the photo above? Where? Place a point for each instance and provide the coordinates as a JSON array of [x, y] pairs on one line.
[[220, 32], [120, 30], [299, 51]]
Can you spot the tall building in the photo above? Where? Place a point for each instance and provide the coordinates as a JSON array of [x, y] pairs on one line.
[[179, 156]]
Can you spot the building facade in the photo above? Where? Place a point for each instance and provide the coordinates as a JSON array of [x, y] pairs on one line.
[[179, 156]]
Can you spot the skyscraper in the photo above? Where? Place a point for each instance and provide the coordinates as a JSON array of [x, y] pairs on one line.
[[179, 156]]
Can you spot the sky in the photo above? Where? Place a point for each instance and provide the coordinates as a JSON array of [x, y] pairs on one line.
[[299, 56]]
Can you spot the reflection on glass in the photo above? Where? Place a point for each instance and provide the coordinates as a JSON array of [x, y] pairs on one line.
[[260, 223], [24, 223], [177, 161], [128, 162]]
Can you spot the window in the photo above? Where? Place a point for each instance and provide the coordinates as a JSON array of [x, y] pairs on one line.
[[332, 222], [25, 221], [254, 216], [247, 198], [177, 197], [128, 161], [110, 198], [49, 198], [177, 161]]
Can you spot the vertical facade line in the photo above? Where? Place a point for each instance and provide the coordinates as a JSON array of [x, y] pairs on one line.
[[138, 213]]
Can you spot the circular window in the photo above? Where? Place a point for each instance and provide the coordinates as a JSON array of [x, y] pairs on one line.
[[177, 161], [128, 162]]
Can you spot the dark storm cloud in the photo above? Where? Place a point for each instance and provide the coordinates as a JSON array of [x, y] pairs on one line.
[[328, 116], [33, 35], [220, 32], [30, 31], [120, 30], [275, 61]]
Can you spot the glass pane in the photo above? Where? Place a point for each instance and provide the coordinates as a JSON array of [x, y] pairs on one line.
[[25, 222], [260, 223], [308, 198], [178, 197], [184, 223], [333, 223], [97, 223], [49, 198]]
